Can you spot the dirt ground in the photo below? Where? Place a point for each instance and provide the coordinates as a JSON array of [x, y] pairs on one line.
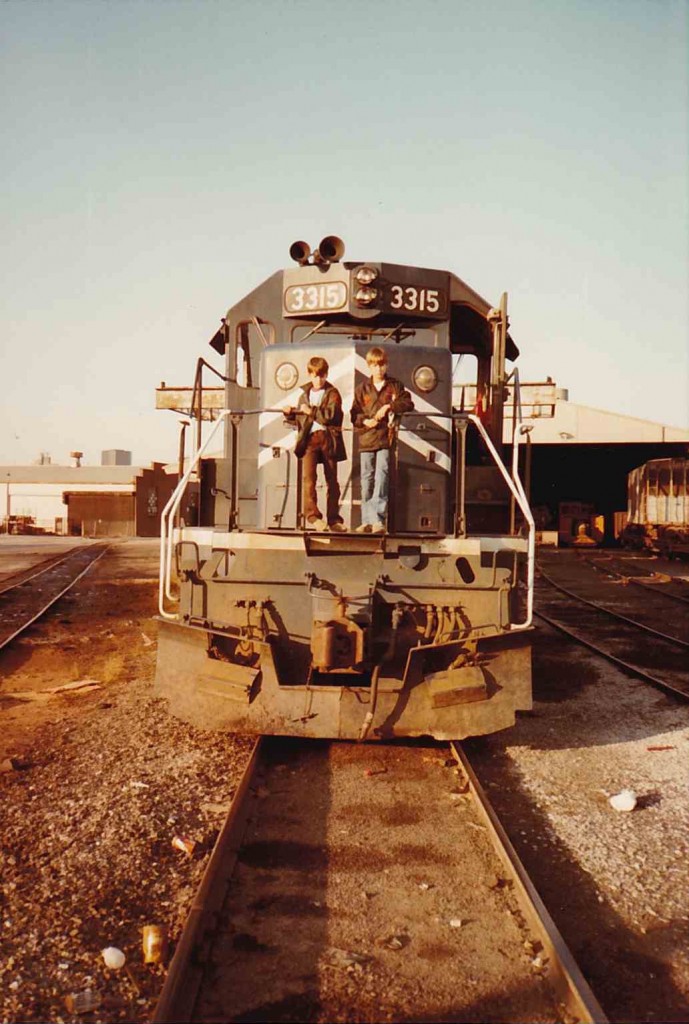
[[103, 781]]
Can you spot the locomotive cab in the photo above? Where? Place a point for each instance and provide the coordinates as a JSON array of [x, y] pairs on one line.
[[420, 630]]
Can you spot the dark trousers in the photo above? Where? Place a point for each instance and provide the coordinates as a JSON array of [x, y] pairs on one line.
[[318, 450]]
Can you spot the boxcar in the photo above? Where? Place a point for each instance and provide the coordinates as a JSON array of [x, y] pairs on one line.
[[658, 507]]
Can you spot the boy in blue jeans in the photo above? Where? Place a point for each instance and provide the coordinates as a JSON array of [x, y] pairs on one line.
[[376, 402]]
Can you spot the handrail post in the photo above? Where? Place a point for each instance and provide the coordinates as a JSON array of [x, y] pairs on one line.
[[460, 524], [235, 421], [180, 463], [300, 524]]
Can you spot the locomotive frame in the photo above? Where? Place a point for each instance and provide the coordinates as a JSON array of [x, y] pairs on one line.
[[421, 630]]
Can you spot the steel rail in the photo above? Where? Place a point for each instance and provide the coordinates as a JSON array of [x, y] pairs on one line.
[[180, 992], [8, 640], [663, 684], [638, 580], [39, 572], [615, 615], [561, 968], [185, 973]]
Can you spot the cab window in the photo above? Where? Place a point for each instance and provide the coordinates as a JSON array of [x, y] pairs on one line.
[[251, 337]]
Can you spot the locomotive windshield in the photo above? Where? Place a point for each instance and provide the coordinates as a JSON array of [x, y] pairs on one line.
[[376, 335]]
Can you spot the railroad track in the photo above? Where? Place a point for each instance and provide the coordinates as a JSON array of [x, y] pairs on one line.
[[29, 595], [10, 580], [633, 571], [632, 641], [366, 883]]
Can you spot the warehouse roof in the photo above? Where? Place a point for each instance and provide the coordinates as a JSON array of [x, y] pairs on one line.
[[52, 474]]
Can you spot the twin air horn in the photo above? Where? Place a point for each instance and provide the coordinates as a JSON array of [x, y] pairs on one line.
[[331, 250]]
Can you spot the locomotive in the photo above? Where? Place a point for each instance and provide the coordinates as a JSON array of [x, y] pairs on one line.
[[421, 629]]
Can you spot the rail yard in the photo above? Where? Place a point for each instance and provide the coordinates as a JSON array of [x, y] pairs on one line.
[[359, 881], [416, 755]]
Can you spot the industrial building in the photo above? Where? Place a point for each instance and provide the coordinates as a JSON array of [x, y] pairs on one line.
[[576, 460], [113, 499]]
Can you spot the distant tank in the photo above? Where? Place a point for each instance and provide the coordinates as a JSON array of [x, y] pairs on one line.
[[658, 507]]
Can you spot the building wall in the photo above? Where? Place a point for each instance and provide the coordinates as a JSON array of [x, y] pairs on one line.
[[44, 501], [36, 498], [153, 490], [100, 515]]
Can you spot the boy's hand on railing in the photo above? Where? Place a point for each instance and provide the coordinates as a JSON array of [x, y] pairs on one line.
[[382, 412]]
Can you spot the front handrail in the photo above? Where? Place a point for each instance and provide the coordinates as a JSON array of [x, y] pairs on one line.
[[512, 480]]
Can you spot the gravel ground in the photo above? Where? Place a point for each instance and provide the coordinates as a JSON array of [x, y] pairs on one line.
[[106, 780], [616, 883]]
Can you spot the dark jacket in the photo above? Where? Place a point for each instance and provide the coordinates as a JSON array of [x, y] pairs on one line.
[[328, 414], [367, 401]]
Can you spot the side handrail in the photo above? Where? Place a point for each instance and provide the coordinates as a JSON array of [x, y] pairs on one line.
[[166, 519], [515, 485], [170, 510]]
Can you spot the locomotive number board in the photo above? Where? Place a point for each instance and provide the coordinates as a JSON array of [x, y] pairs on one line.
[[415, 299], [336, 296], [316, 298]]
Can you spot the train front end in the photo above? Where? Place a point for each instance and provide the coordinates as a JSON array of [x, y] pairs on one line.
[[268, 627]]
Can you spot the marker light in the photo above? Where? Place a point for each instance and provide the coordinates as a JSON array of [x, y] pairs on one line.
[[425, 378], [286, 376], [365, 275], [365, 296]]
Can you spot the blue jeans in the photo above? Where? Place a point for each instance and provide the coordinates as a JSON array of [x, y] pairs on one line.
[[375, 474]]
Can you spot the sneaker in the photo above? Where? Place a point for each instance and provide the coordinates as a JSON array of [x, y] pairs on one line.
[[337, 528], [319, 525], [378, 528], [364, 528]]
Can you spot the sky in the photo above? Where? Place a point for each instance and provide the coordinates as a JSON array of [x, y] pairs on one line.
[[159, 157]]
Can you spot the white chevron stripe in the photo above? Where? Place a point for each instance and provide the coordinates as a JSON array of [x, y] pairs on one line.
[[421, 445], [338, 371], [286, 443], [287, 440], [421, 404]]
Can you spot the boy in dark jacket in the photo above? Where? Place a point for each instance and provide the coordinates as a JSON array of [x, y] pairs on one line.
[[318, 418], [376, 403]]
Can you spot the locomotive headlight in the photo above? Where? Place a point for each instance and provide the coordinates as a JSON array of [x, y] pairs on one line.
[[286, 376], [365, 275], [365, 296], [425, 378]]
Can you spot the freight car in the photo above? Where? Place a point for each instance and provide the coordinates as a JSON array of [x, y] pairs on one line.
[[658, 507], [268, 627]]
